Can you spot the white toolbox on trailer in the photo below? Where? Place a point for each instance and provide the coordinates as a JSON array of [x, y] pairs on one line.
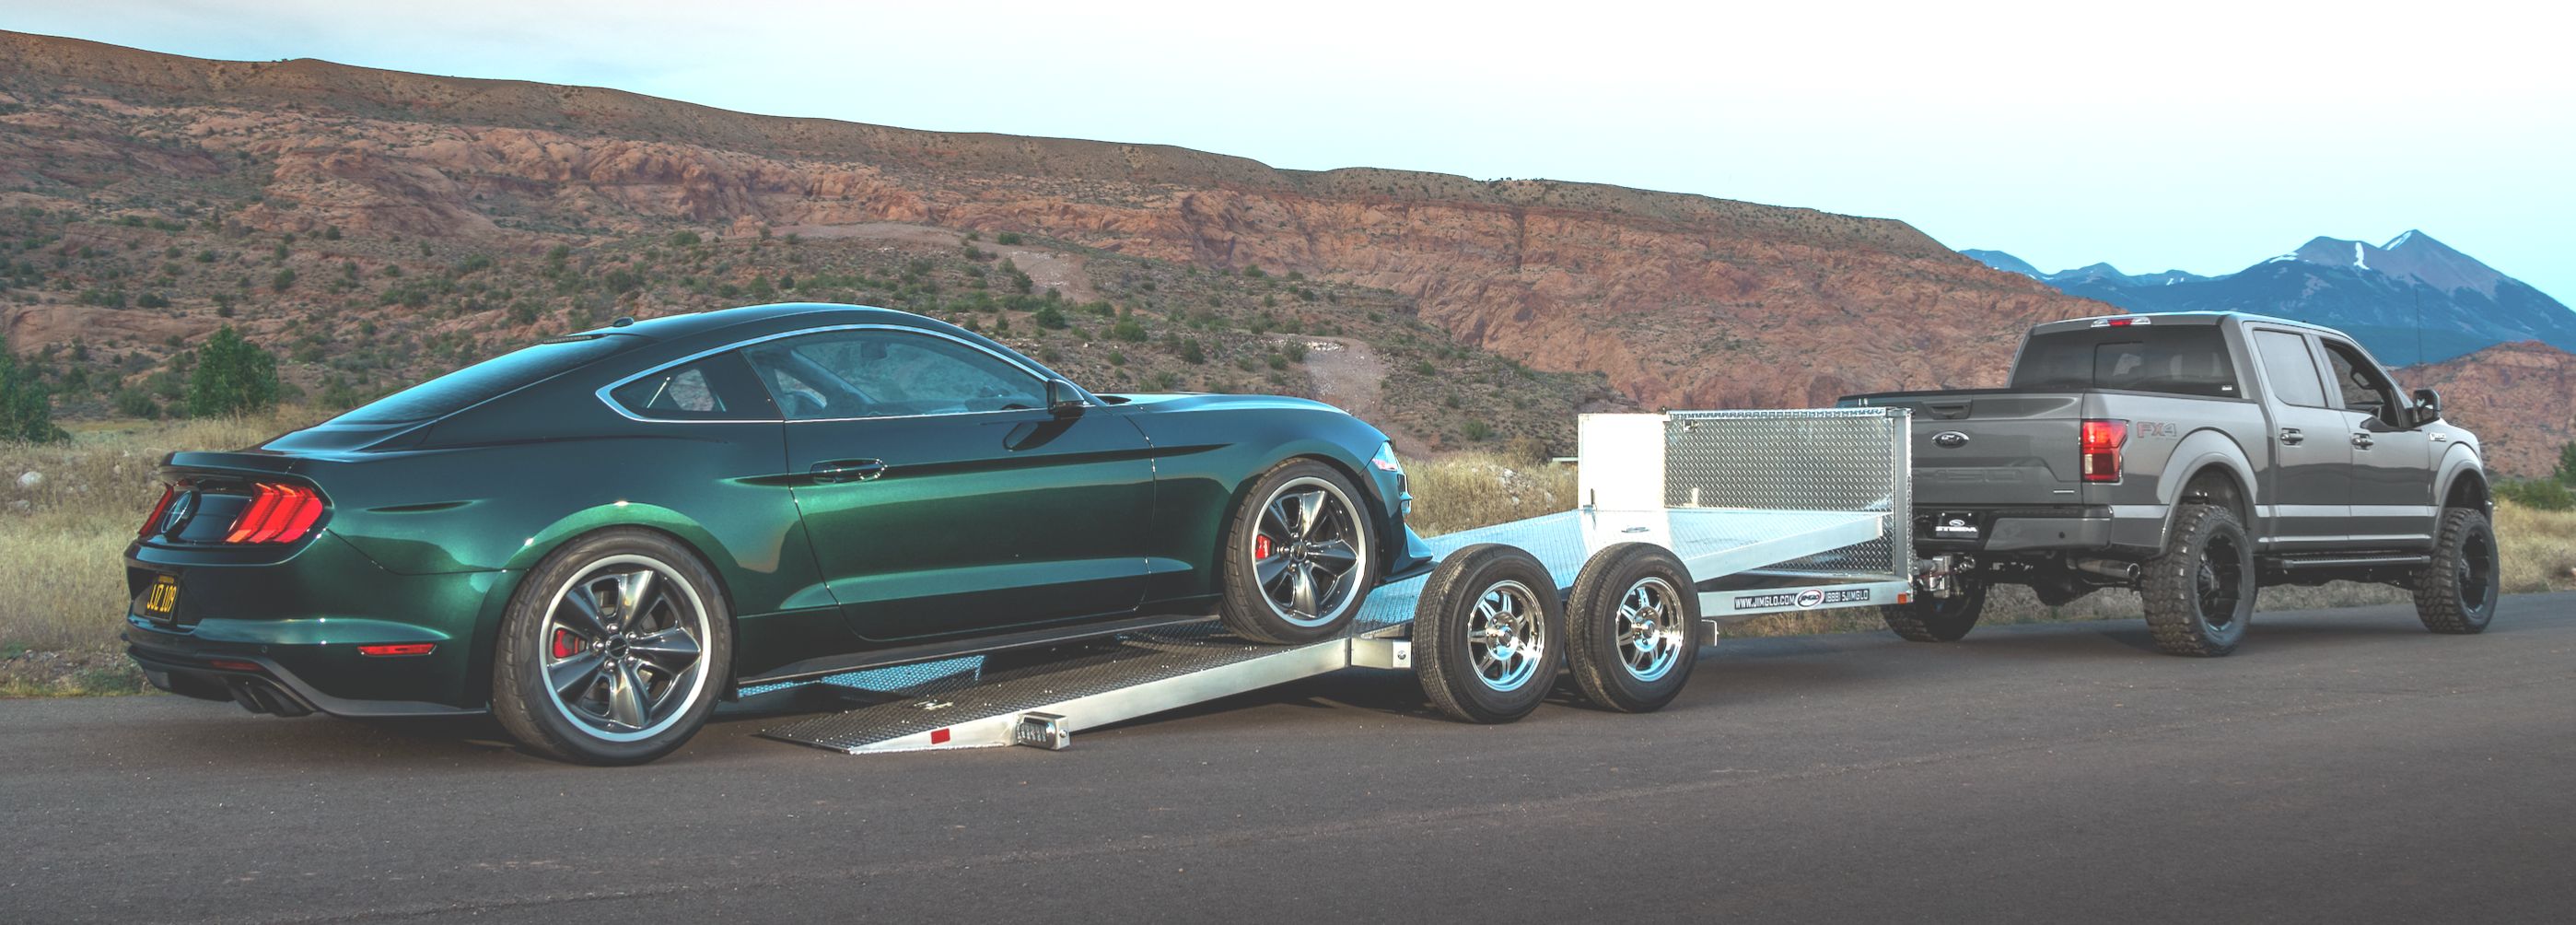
[[1768, 511]]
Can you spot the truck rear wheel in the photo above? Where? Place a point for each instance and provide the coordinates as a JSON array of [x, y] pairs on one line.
[[2200, 593], [1634, 619], [1488, 634], [2457, 594], [1938, 619]]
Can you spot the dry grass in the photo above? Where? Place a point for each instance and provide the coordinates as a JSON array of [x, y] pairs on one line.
[[63, 532]]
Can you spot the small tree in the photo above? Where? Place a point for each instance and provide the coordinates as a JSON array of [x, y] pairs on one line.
[[26, 410], [233, 376], [2566, 463]]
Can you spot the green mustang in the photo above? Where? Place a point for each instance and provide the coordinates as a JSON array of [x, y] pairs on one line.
[[598, 537]]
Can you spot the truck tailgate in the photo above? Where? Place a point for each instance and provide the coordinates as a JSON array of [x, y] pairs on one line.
[[1995, 448]]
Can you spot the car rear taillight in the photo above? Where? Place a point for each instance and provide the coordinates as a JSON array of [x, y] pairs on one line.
[[152, 520], [277, 514], [2102, 442]]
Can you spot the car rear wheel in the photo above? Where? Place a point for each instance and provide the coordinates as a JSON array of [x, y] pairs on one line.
[[613, 651], [1299, 555]]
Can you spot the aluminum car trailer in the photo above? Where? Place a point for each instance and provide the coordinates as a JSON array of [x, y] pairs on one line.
[[1687, 521]]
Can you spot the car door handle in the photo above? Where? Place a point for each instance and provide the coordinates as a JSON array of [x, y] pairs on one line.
[[848, 470], [2292, 437], [2361, 441]]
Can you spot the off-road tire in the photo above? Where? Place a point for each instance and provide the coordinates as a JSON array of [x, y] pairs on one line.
[[1606, 668], [2206, 545], [1442, 655], [519, 697], [2456, 594], [1244, 607], [1938, 619]]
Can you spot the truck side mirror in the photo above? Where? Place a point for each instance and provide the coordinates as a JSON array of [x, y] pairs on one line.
[[1063, 400], [2428, 406]]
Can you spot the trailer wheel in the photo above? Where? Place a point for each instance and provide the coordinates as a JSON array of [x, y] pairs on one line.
[[1937, 619], [1634, 621], [1487, 634], [2457, 593], [2200, 593]]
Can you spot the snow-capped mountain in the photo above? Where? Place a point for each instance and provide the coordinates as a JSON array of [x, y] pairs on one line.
[[2411, 300]]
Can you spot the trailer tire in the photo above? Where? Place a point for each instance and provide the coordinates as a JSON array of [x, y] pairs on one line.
[[2199, 594], [1938, 619], [1633, 621], [2456, 594], [1487, 634]]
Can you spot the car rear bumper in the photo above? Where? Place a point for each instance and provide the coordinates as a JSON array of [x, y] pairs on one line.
[[286, 636]]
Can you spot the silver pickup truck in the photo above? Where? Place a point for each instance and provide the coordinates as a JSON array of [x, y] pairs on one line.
[[2193, 457]]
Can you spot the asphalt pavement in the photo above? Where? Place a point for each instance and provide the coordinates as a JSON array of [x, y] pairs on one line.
[[2344, 766]]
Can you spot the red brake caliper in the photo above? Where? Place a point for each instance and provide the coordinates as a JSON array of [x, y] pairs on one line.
[[567, 644], [1260, 546]]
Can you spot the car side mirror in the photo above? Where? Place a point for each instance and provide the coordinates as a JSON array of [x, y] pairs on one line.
[[1063, 399], [2428, 406]]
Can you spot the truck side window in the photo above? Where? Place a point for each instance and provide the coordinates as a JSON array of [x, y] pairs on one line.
[[2364, 390], [2290, 368]]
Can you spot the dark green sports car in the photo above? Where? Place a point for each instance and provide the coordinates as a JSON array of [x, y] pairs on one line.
[[600, 536]]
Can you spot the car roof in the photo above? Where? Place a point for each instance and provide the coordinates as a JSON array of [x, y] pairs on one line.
[[692, 324]]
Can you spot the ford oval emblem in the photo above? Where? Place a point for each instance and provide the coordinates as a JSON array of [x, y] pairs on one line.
[[1949, 439]]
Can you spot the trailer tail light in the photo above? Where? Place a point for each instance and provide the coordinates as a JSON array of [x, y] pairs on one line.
[[2102, 442], [277, 514], [152, 521]]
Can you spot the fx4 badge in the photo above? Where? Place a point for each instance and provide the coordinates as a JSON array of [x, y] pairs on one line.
[[1949, 439]]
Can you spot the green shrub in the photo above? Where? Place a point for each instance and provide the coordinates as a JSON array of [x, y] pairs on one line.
[[1007, 237], [684, 239], [2538, 494], [1476, 430], [233, 376], [26, 410], [1049, 317], [1129, 330]]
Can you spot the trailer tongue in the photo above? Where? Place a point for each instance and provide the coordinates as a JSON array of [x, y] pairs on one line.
[[1765, 510]]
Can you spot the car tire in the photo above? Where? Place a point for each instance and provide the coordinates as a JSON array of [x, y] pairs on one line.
[[1938, 619], [1488, 634], [1300, 555], [1633, 623], [2456, 595], [2199, 594], [580, 675]]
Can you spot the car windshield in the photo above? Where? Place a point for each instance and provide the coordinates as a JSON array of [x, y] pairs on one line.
[[2179, 360], [474, 384]]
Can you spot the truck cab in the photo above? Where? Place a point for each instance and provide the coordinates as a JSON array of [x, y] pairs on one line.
[[2117, 434]]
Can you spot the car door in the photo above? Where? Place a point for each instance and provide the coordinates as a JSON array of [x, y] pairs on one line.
[[2392, 460], [943, 497], [2308, 486]]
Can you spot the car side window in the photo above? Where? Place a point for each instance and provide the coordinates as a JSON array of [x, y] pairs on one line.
[[2364, 390], [717, 388], [2290, 368], [875, 372]]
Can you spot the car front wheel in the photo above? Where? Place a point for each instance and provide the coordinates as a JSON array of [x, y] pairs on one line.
[[613, 651], [1299, 555]]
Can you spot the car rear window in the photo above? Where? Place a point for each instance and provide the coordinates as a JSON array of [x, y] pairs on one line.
[[474, 384], [2177, 360]]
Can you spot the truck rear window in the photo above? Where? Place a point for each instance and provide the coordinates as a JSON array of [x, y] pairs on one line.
[[2177, 360]]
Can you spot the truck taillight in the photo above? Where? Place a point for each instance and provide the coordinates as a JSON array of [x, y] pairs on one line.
[[2102, 441], [277, 514], [152, 521]]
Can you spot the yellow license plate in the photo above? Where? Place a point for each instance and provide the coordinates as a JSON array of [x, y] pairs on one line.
[[163, 599]]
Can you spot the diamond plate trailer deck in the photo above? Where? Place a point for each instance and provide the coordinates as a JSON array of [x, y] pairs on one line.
[[1681, 481]]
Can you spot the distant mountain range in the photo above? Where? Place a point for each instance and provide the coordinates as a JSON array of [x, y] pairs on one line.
[[2411, 300]]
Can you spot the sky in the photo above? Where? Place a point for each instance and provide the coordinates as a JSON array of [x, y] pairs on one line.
[[2189, 135]]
